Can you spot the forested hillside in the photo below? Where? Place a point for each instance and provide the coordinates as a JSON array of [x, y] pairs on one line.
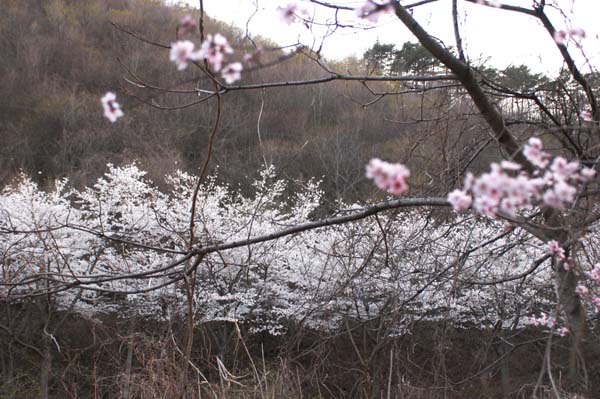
[[60, 56], [246, 236]]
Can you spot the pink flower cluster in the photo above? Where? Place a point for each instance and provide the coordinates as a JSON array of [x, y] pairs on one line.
[[585, 293], [255, 56], [506, 189], [562, 36], [543, 321], [213, 50], [287, 14], [232, 72], [562, 331], [547, 321], [292, 13], [533, 151], [112, 109], [182, 52], [460, 200], [188, 24], [556, 250], [587, 115], [388, 176], [371, 11], [582, 290]]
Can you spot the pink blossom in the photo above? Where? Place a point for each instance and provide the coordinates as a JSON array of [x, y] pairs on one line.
[[522, 189], [542, 321], [595, 274], [232, 72], [213, 50], [577, 33], [509, 206], [551, 199], [374, 167], [534, 154], [556, 250], [510, 166], [371, 11], [460, 200], [536, 184], [565, 192], [588, 173], [587, 116], [535, 143], [563, 331], [491, 184], [468, 181], [560, 36], [563, 169], [596, 302], [288, 13], [255, 56], [188, 23], [182, 52], [398, 186], [561, 194], [486, 206], [377, 170], [388, 176], [582, 290], [112, 109]]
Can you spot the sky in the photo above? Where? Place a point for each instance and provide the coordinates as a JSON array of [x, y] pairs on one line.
[[503, 38]]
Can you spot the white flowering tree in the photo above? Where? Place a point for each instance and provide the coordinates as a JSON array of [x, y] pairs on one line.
[[520, 249]]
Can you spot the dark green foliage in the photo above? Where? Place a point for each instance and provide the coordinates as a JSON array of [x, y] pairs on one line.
[[520, 78], [413, 58]]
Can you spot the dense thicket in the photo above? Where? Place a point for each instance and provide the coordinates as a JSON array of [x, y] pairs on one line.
[[403, 285]]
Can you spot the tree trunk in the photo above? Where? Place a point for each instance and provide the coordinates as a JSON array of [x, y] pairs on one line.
[[45, 367], [566, 284], [129, 361]]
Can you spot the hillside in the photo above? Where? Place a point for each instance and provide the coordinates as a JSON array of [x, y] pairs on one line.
[[61, 56]]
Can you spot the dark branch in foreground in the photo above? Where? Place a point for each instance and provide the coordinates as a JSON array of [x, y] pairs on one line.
[[366, 212]]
